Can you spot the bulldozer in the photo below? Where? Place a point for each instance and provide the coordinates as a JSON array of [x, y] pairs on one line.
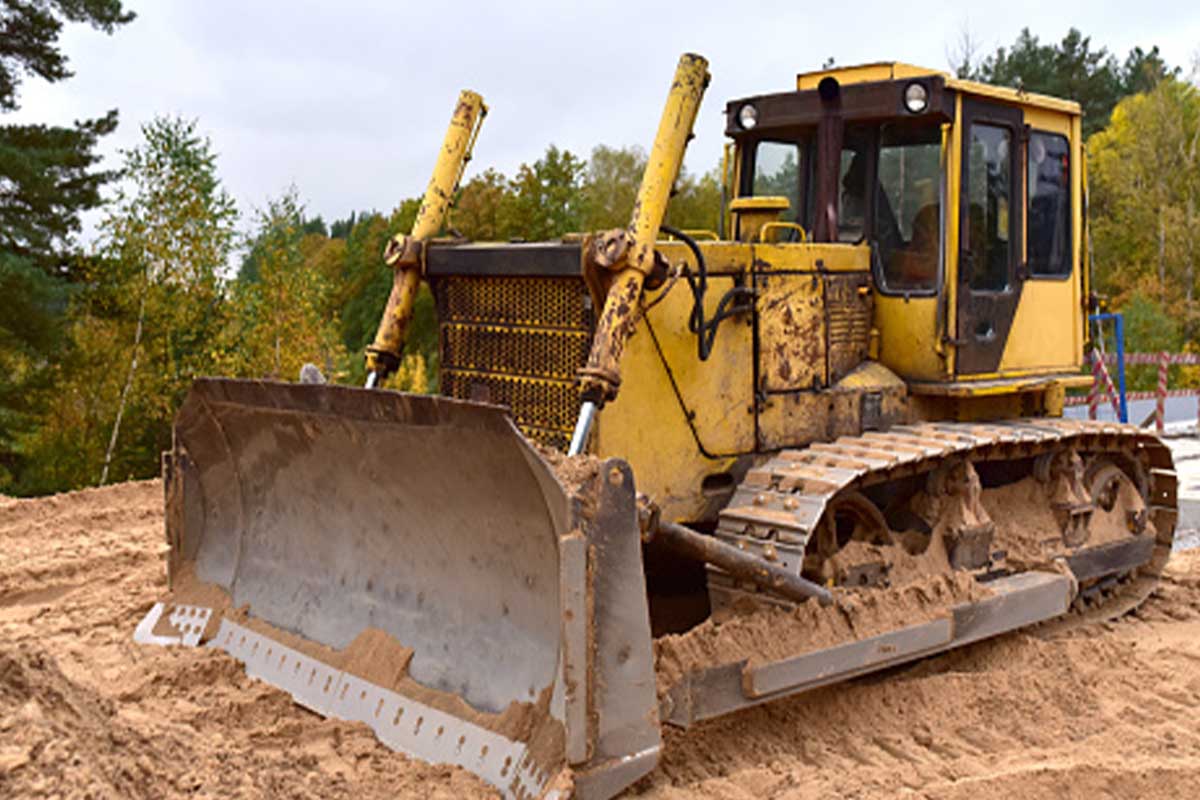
[[672, 474]]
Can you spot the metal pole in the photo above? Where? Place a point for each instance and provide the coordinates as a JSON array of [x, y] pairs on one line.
[[601, 376], [1160, 400], [1119, 320], [1119, 333]]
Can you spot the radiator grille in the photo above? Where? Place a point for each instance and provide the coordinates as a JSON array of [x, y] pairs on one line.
[[553, 353], [532, 302], [516, 342], [850, 312]]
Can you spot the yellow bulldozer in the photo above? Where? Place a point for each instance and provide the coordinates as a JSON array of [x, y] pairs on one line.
[[673, 474]]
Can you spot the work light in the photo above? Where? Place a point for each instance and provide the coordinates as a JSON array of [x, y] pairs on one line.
[[916, 97], [747, 116]]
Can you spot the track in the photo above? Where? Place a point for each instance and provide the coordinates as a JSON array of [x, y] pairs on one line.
[[783, 508], [1101, 710]]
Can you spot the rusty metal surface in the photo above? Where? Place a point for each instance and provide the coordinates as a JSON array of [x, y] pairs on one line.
[[791, 331], [813, 329], [403, 252], [777, 507], [601, 378], [620, 684], [739, 563]]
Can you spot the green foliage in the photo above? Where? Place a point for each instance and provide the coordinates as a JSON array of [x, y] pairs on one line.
[[1072, 69], [544, 199], [284, 316], [1144, 180], [696, 204], [610, 186], [477, 210], [560, 194], [143, 326], [47, 179], [1148, 329]]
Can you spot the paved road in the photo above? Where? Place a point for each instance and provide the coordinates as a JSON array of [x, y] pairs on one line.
[[1178, 409], [1185, 449]]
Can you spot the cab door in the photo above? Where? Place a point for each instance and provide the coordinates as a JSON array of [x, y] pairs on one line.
[[990, 271]]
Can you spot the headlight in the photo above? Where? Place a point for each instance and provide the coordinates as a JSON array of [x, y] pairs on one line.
[[916, 97], [747, 116]]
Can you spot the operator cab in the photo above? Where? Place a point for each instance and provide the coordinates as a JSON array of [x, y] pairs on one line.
[[968, 196]]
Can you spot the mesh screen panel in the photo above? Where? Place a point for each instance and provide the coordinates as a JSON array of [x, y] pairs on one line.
[[516, 342]]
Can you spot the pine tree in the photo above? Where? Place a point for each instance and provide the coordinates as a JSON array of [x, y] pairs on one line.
[[1074, 70], [47, 178]]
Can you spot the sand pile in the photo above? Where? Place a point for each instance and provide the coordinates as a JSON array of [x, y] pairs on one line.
[[84, 712], [1103, 711]]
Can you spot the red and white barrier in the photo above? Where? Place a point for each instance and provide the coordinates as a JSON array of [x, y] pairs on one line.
[[1154, 358], [1101, 378], [1160, 408], [1102, 382]]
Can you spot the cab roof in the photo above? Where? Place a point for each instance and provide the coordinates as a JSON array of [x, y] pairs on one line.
[[897, 70]]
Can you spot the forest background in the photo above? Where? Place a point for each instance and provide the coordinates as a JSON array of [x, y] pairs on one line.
[[100, 340]]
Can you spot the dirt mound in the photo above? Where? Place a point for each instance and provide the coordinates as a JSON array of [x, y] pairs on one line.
[[1101, 711], [86, 712], [1097, 711]]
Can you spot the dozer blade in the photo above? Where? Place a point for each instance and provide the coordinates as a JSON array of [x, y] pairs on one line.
[[413, 563]]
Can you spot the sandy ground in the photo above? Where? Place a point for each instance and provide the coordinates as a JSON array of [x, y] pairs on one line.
[[1104, 711]]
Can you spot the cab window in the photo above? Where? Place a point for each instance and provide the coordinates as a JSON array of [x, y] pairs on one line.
[[853, 175], [908, 217], [777, 172], [1049, 212], [989, 193]]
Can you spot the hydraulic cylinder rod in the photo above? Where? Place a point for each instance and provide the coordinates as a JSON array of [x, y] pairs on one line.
[[404, 253], [744, 566]]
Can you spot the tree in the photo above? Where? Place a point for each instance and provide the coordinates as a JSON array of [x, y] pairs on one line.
[[1148, 329], [477, 211], [545, 200], [283, 316], [610, 186], [1069, 69], [696, 204], [1144, 179], [47, 178], [29, 43], [145, 321]]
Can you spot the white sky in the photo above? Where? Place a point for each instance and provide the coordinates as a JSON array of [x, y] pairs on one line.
[[349, 100]]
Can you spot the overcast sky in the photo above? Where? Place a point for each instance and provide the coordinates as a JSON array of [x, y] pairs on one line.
[[349, 100]]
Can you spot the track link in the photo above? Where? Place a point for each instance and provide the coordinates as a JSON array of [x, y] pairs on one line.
[[779, 505]]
